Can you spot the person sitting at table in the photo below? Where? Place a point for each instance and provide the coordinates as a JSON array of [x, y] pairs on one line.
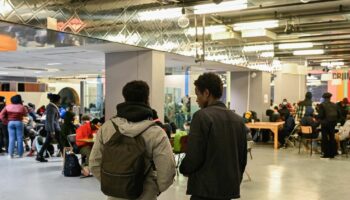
[[309, 120], [287, 129], [343, 134], [86, 132]]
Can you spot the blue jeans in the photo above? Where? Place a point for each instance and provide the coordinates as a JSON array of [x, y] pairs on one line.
[[15, 129]]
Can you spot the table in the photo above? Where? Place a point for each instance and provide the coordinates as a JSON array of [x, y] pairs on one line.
[[273, 126]]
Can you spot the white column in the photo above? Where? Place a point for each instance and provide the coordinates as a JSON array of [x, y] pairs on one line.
[[250, 92], [123, 67]]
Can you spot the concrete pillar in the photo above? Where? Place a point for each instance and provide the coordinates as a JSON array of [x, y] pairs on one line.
[[250, 91], [289, 86], [124, 67]]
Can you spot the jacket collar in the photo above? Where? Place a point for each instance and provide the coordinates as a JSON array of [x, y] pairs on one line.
[[134, 112], [54, 105], [217, 103]]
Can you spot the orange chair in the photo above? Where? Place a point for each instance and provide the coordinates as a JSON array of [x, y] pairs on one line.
[[306, 132]]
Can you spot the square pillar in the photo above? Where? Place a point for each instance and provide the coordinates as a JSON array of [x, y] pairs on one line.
[[123, 67]]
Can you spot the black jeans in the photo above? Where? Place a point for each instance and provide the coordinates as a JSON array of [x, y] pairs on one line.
[[4, 136], [202, 198], [329, 146], [47, 142]]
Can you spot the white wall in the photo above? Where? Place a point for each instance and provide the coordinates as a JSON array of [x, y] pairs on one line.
[[289, 86], [40, 98]]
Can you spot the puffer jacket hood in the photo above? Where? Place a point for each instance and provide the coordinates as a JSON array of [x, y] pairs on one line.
[[134, 111], [131, 129]]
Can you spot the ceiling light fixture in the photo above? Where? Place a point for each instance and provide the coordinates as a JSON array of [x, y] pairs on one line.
[[296, 45], [52, 64], [160, 14], [308, 52], [332, 64], [255, 48], [4, 73], [208, 30], [256, 25], [222, 7]]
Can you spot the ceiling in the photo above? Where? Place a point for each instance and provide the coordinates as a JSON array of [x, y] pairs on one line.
[[324, 23], [84, 61]]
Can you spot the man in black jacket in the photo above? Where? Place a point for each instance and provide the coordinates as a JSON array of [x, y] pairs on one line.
[[217, 148], [329, 114]]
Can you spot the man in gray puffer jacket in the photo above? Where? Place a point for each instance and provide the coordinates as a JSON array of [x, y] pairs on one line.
[[133, 117]]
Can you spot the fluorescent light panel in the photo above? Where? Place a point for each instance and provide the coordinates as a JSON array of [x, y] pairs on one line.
[[222, 7], [308, 52], [295, 45], [255, 48], [160, 14], [256, 25], [332, 64]]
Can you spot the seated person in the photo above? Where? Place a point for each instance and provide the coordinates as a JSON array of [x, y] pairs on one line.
[[288, 127], [86, 131], [273, 115], [343, 134], [310, 120], [157, 121]]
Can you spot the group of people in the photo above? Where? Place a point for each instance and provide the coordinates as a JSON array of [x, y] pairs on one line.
[[211, 158], [324, 117], [19, 122]]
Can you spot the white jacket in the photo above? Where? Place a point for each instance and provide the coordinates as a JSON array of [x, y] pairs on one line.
[[157, 145]]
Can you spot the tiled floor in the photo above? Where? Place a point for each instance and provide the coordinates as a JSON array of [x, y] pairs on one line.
[[279, 174]]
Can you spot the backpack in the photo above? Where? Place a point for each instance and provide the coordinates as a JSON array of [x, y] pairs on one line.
[[123, 168], [331, 111], [71, 165]]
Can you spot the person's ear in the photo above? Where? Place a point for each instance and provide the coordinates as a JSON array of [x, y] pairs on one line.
[[206, 93]]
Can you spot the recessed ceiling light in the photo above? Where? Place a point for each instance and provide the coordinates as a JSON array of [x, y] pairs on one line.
[[50, 64], [4, 73]]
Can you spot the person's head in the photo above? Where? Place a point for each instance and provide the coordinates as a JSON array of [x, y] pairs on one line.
[[308, 95], [32, 106], [85, 118], [2, 99], [345, 101], [209, 88], [136, 91], [17, 99], [54, 98], [327, 96], [95, 124]]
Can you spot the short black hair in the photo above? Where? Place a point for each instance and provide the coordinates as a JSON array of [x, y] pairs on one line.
[[95, 121], [210, 81], [136, 91]]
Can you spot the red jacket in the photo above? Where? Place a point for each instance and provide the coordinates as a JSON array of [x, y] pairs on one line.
[[84, 132], [13, 112]]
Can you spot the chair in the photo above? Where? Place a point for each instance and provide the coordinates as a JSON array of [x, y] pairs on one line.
[[180, 153], [293, 136], [305, 133]]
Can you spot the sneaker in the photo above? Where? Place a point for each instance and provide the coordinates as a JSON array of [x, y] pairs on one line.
[[11, 156], [40, 159]]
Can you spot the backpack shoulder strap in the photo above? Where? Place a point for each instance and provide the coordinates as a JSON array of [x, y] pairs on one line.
[[153, 124]]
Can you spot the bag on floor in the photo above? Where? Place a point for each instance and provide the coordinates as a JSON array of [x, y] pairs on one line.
[[123, 176], [72, 167]]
